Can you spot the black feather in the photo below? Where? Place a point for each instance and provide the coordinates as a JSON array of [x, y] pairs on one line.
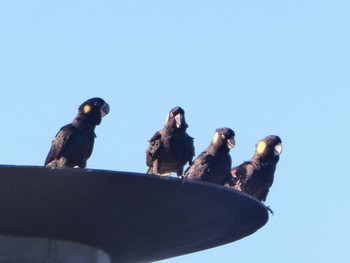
[[171, 148], [73, 144], [214, 163], [255, 177]]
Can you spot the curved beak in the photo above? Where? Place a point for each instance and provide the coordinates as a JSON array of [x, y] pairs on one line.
[[231, 143], [178, 119], [278, 149], [104, 109]]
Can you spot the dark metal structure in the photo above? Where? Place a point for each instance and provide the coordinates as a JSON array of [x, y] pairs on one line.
[[133, 217]]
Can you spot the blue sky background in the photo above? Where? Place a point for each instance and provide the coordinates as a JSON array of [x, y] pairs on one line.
[[258, 67]]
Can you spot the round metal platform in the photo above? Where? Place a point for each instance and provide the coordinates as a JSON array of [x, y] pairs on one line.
[[133, 217]]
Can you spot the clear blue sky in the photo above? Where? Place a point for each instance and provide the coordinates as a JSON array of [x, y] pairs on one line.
[[259, 67]]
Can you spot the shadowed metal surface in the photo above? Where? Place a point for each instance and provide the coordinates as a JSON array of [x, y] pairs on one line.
[[133, 217]]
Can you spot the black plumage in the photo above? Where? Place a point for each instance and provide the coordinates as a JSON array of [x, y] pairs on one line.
[[73, 144], [171, 147], [214, 163], [255, 177]]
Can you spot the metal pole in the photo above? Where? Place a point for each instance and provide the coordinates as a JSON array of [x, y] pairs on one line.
[[39, 250]]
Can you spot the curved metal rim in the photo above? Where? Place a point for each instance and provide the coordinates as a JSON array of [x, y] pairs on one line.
[[134, 217]]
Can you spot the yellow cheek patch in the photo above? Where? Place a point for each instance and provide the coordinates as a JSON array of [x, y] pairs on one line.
[[260, 148], [87, 109], [216, 137]]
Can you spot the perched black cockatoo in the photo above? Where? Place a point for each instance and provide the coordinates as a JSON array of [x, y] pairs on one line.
[[255, 177], [74, 142], [214, 163], [170, 148]]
